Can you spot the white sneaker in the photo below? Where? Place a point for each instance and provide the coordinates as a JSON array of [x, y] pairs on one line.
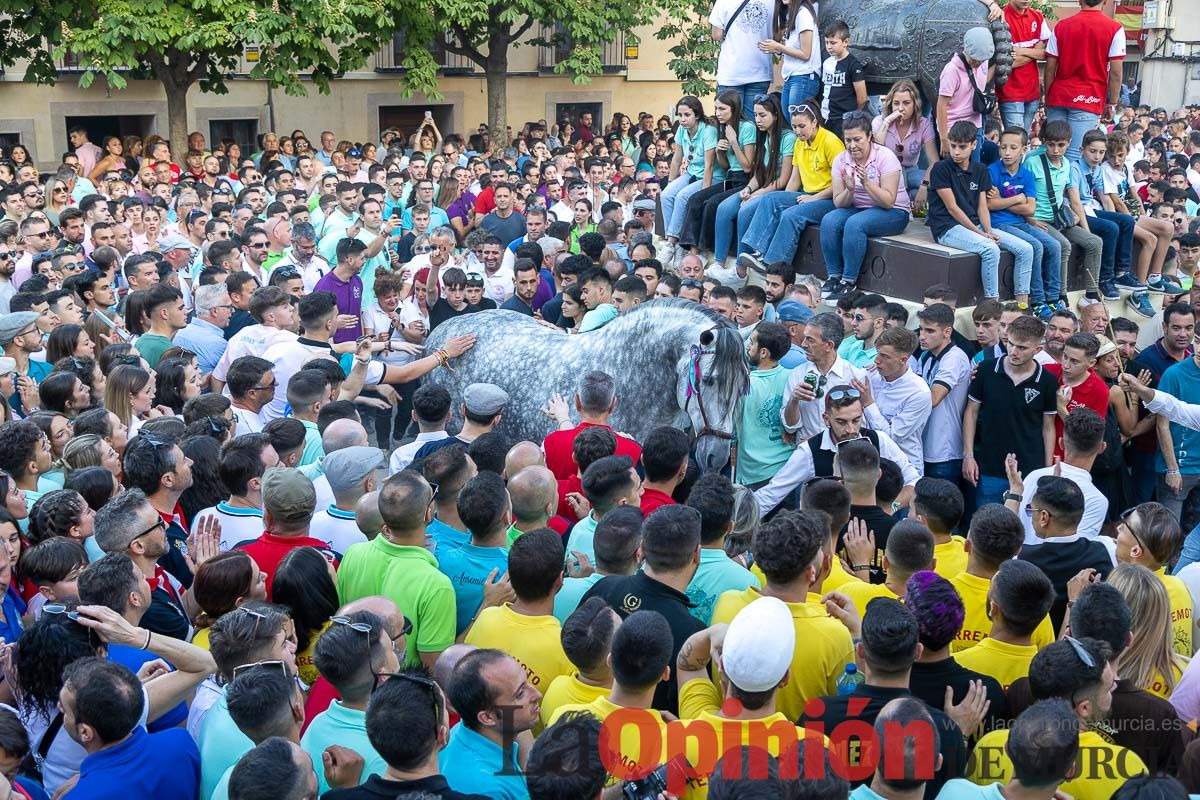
[[666, 254]]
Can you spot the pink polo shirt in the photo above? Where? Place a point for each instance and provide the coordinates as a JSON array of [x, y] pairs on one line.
[[955, 85]]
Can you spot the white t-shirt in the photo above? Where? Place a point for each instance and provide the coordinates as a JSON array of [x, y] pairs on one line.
[[336, 528], [247, 421], [794, 66], [943, 433], [237, 524], [741, 61]]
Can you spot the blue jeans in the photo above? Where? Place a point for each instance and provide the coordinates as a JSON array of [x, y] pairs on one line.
[[1190, 551], [990, 490], [1123, 257], [792, 223], [1019, 114], [728, 215], [1110, 235], [989, 254], [946, 470], [1043, 283], [799, 88], [912, 179], [844, 233], [748, 91], [764, 217], [673, 204], [1080, 121]]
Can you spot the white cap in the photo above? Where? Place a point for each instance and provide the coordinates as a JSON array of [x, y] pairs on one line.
[[759, 645]]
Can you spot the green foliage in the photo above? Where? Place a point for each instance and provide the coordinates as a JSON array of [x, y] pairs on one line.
[[694, 55]]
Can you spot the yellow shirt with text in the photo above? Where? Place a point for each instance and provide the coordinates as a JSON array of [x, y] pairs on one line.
[[976, 626], [950, 558], [1159, 686], [631, 751], [708, 735], [568, 690], [1003, 661], [823, 648], [1102, 768], [1181, 611]]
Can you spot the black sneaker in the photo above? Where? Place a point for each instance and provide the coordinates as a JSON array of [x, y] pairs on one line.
[[829, 286], [752, 261], [841, 290]]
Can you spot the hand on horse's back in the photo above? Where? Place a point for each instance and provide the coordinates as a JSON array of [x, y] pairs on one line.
[[459, 345]]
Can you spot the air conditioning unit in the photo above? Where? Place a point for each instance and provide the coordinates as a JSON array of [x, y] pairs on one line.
[[1155, 14]]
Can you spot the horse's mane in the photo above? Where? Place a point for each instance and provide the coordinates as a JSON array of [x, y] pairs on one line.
[[681, 304]]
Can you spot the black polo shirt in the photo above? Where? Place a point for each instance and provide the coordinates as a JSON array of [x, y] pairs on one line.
[[967, 184], [1063, 560], [1156, 359], [863, 707], [441, 311], [626, 594], [878, 522], [928, 681], [378, 788], [1010, 416]]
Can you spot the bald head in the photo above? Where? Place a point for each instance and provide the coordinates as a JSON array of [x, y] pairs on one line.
[[367, 516], [343, 433], [520, 456], [382, 607], [447, 661], [534, 493]]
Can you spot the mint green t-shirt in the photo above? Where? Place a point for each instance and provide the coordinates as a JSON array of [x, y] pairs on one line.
[[761, 449], [716, 574], [347, 727], [695, 146], [747, 131], [1060, 175], [853, 351]]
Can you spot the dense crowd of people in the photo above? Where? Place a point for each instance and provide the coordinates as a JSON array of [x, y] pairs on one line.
[[249, 553]]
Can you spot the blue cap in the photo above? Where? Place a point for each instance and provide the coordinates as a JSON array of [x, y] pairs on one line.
[[793, 311]]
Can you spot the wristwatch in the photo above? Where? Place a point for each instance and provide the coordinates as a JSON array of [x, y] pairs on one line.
[[1013, 496]]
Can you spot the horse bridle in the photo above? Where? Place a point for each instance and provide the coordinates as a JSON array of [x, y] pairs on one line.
[[694, 379]]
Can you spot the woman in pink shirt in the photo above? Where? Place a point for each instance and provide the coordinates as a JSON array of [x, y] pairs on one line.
[[870, 200]]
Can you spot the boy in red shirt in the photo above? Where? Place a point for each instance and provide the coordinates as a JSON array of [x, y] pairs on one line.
[[1021, 95], [1081, 387]]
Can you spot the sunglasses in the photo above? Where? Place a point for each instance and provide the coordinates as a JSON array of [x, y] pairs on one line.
[[272, 664], [1081, 651], [837, 395], [1124, 520], [422, 681]]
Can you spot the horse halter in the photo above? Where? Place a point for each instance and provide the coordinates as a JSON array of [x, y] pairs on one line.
[[694, 381]]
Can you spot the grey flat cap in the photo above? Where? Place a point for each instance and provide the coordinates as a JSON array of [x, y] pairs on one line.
[[350, 466], [13, 324], [485, 399]]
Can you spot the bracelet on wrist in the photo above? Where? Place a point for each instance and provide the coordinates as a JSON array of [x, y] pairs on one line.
[[857, 567], [968, 457]]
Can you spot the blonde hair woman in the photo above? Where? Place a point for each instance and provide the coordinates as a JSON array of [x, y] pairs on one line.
[[903, 130], [90, 450], [130, 395], [1150, 661]]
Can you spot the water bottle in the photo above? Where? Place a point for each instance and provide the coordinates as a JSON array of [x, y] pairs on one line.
[[850, 680]]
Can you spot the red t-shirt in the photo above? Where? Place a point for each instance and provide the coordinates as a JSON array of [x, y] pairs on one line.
[[560, 458], [1092, 393], [268, 550], [1084, 44], [571, 484], [652, 499], [486, 202], [1027, 30]]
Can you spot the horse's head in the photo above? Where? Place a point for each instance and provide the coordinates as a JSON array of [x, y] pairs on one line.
[[715, 376]]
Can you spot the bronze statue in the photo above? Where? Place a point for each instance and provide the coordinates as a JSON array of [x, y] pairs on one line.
[[914, 39]]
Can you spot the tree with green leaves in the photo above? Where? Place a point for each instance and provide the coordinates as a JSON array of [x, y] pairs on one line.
[[182, 43], [484, 31]]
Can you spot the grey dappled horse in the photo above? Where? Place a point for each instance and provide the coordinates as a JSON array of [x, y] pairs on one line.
[[674, 363]]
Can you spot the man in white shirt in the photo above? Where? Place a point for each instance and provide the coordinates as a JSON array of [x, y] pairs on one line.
[[243, 462], [251, 386], [896, 399], [803, 399], [946, 370], [304, 257], [431, 412], [1083, 441], [844, 419], [272, 309]]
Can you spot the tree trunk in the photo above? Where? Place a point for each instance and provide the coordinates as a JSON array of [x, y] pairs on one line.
[[497, 86], [177, 127]]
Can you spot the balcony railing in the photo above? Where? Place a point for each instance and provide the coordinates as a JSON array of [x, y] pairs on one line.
[[390, 58], [613, 57]]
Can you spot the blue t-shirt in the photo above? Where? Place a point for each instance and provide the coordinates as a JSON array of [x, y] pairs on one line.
[[468, 568], [134, 658], [1010, 185], [162, 765], [473, 764], [1182, 380], [14, 607]]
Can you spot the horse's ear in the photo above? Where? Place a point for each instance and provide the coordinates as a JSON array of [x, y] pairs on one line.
[[708, 337]]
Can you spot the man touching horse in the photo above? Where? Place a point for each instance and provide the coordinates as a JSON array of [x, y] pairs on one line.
[[595, 400]]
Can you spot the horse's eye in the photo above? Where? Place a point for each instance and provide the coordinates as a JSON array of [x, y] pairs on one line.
[[709, 381]]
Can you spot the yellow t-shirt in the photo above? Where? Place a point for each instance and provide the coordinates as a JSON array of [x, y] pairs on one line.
[[1003, 661], [1158, 686], [1181, 611], [862, 593], [305, 667], [823, 649], [535, 642], [699, 701], [1102, 768], [976, 626], [837, 578], [815, 160], [951, 557], [200, 639], [568, 690], [629, 729]]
